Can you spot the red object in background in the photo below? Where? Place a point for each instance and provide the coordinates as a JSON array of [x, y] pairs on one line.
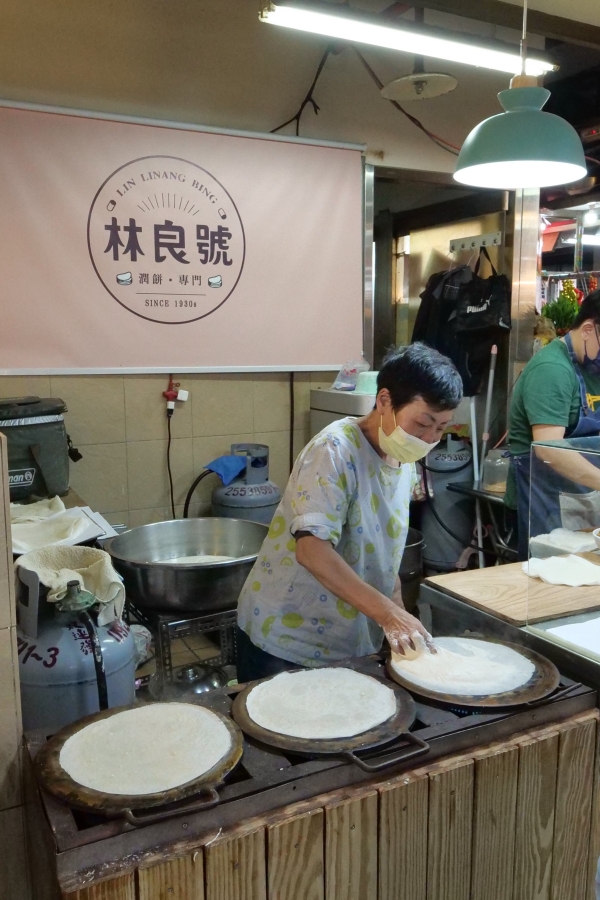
[[171, 393], [580, 295]]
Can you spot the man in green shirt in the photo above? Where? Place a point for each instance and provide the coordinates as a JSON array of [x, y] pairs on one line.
[[557, 396]]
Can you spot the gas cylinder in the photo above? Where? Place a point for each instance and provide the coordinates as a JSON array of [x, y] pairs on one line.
[[58, 674], [251, 496], [452, 460]]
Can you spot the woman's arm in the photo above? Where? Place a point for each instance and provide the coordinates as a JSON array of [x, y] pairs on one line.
[[567, 463], [328, 567]]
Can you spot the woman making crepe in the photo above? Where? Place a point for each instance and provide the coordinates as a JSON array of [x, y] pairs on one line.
[[325, 585], [557, 396]]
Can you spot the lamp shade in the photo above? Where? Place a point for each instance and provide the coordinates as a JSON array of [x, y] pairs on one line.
[[521, 147]]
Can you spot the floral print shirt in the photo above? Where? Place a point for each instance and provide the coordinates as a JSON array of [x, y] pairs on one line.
[[341, 491]]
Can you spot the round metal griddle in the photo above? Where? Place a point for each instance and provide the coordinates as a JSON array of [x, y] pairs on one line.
[[59, 783], [391, 730], [543, 682]]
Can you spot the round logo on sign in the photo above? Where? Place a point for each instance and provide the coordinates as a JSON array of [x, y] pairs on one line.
[[166, 239]]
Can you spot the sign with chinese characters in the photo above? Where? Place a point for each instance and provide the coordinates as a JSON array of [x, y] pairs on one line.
[[166, 239], [135, 247]]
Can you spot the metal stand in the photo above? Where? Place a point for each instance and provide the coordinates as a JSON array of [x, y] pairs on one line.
[[167, 627]]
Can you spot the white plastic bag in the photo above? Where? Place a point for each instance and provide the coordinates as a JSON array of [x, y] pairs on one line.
[[348, 375]]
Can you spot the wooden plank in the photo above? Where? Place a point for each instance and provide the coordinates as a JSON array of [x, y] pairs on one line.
[[536, 793], [503, 591], [576, 757], [594, 845], [120, 888], [295, 868], [176, 879], [236, 869], [351, 849], [494, 814], [403, 839], [449, 832]]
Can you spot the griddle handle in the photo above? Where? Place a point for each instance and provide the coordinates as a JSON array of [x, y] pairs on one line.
[[420, 747], [559, 696], [209, 800]]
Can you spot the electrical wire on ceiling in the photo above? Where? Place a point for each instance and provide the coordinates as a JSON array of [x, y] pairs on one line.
[[440, 141], [310, 101]]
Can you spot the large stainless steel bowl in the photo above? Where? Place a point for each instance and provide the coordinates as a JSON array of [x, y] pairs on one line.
[[141, 557]]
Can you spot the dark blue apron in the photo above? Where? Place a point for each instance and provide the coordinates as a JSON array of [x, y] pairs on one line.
[[538, 499]]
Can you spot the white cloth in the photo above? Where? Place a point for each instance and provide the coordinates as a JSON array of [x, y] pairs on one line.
[[343, 492], [569, 541], [33, 512], [56, 566], [69, 526], [572, 571]]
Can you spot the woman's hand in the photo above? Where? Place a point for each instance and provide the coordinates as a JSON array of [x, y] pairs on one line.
[[401, 628]]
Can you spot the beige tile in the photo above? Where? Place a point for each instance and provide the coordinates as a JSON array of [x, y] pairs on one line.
[[322, 380], [147, 472], [183, 658], [301, 439], [100, 478], [96, 407], [121, 517], [222, 404], [205, 450], [198, 508], [302, 388], [139, 517], [25, 386], [278, 443], [146, 408], [271, 402], [198, 642], [13, 862]]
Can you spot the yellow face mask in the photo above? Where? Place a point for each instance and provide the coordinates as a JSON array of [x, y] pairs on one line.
[[404, 447]]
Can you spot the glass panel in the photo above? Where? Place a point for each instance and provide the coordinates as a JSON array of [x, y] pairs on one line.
[[563, 483]]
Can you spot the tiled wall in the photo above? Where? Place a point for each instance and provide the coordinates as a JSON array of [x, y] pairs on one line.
[[118, 423], [13, 867]]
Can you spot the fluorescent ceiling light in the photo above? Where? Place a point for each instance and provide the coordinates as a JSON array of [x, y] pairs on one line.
[[591, 240], [407, 38]]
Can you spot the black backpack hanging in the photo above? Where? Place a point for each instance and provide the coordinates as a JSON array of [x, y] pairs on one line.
[[483, 305]]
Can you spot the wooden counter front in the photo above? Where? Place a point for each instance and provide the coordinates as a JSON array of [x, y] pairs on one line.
[[508, 593], [515, 820]]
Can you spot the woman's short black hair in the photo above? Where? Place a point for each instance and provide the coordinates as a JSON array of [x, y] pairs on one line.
[[589, 309], [418, 371]]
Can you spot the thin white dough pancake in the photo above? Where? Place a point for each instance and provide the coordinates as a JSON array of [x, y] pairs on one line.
[[143, 751], [467, 666], [321, 704]]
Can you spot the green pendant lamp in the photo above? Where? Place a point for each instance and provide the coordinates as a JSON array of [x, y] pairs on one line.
[[522, 147]]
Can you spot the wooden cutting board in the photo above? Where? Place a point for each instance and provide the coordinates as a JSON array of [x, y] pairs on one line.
[[503, 592]]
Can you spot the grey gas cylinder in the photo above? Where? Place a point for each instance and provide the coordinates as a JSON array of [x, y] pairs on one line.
[[57, 666], [452, 460], [251, 496], [58, 676]]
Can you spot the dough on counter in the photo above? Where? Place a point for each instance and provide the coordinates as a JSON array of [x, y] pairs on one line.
[[573, 571], [143, 751], [321, 704], [467, 666]]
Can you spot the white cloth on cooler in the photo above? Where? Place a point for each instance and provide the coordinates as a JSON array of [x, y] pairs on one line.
[[69, 525], [93, 569], [569, 570], [34, 512]]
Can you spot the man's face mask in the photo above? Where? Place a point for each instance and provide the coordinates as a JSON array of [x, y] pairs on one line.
[[404, 447]]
